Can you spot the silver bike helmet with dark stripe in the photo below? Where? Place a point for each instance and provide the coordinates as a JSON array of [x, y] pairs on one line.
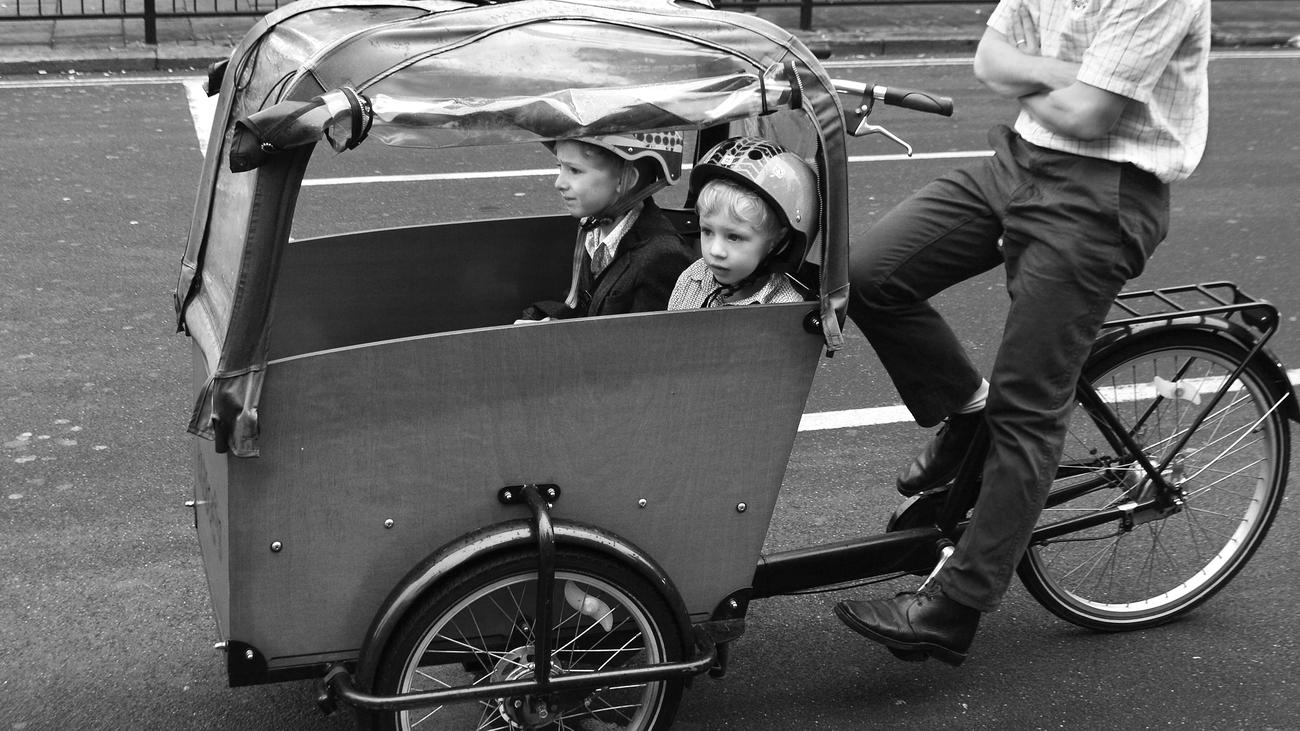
[[780, 177]]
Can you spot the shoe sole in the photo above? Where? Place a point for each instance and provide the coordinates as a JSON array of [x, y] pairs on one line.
[[907, 651], [929, 491], [943, 484]]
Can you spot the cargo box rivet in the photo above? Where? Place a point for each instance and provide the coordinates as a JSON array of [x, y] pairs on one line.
[[276, 546], [389, 523], [741, 507]]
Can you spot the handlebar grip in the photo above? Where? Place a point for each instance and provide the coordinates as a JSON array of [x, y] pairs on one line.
[[921, 101]]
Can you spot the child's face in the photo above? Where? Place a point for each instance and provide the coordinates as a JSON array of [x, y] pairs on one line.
[[588, 181], [732, 248]]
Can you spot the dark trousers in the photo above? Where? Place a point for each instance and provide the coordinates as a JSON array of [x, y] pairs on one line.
[[1070, 231]]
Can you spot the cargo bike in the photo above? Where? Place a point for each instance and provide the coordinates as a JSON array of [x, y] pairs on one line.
[[454, 521]]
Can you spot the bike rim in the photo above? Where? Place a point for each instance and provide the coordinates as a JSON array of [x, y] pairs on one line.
[[1227, 472], [488, 637]]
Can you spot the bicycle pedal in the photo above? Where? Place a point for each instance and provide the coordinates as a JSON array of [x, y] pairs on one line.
[[917, 511]]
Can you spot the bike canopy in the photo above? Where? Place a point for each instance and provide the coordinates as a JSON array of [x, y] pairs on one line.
[[442, 73]]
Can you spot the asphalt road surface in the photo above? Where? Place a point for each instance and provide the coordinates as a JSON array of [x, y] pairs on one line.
[[104, 614]]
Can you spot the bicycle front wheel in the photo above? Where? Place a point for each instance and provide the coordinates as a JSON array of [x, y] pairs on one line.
[[1152, 564], [480, 628]]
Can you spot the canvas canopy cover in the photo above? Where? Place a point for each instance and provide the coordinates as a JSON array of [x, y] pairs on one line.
[[445, 73]]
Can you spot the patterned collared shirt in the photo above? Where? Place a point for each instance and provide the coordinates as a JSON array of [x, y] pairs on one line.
[[592, 241], [1154, 52], [696, 284]]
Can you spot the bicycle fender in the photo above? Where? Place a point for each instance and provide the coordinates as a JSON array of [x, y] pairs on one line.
[[492, 540], [1277, 380]]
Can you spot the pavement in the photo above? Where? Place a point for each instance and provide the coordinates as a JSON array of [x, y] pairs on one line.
[[85, 45]]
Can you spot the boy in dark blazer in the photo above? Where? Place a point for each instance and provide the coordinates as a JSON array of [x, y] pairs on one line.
[[628, 255]]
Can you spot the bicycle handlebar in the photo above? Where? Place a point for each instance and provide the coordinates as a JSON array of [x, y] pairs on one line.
[[915, 99]]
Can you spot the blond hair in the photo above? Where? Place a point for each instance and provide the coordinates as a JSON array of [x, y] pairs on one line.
[[742, 204]]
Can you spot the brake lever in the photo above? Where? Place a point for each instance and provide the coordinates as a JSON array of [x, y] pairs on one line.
[[866, 128], [860, 113]]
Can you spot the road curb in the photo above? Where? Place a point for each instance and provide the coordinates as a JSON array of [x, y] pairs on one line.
[[902, 46], [32, 60]]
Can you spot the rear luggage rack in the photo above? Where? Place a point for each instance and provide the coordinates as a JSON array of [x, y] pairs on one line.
[[1191, 302]]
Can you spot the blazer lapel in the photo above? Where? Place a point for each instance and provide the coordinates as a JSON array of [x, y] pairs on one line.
[[619, 267]]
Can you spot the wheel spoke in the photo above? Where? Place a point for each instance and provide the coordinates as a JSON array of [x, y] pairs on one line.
[[425, 674], [1091, 562], [487, 716], [1200, 491], [607, 707], [622, 649], [494, 723], [1245, 432], [589, 628], [426, 716]]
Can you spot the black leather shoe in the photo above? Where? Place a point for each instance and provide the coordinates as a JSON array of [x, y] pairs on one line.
[[937, 464], [915, 625]]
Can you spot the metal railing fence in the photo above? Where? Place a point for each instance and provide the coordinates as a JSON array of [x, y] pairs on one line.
[[149, 11], [806, 6]]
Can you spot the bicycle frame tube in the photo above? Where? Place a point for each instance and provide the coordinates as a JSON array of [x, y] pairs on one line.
[[800, 569], [545, 575], [1196, 422], [338, 682]]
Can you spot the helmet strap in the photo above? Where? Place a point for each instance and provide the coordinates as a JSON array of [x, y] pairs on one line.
[[726, 290], [625, 202], [765, 268], [778, 250]]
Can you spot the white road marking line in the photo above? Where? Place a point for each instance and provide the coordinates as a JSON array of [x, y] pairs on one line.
[[427, 177], [954, 155], [65, 81], [545, 172], [852, 63], [821, 421], [202, 110], [1254, 55], [824, 420]]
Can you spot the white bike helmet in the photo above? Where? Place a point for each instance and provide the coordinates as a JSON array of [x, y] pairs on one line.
[[663, 148], [779, 176]]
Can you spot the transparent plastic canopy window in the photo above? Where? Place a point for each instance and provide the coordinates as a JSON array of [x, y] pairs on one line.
[[564, 79]]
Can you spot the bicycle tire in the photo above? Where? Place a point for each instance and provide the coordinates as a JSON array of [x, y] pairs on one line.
[[477, 627], [1232, 473]]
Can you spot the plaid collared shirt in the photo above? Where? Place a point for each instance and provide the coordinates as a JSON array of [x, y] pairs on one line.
[[1154, 52], [696, 284], [592, 241]]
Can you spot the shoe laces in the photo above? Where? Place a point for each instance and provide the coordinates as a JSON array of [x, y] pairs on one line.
[[930, 590]]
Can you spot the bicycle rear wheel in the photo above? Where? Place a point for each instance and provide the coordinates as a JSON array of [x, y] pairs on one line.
[[1156, 564]]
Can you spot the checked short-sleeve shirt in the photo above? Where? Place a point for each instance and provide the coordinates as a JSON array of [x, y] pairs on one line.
[[1153, 52], [696, 284]]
